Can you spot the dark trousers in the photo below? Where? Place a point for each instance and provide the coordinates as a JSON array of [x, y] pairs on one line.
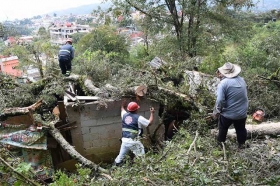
[[65, 65], [239, 125]]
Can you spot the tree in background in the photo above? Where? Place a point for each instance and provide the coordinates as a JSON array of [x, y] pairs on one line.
[[105, 39], [13, 30], [43, 33], [77, 36], [189, 21], [1, 30], [34, 54]]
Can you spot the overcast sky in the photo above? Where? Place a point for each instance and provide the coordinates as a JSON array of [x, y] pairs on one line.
[[19, 9]]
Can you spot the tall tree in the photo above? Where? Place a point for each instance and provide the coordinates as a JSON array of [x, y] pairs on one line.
[[43, 33], [188, 19], [105, 39]]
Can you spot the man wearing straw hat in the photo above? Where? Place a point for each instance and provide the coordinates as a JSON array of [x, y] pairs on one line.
[[231, 103]]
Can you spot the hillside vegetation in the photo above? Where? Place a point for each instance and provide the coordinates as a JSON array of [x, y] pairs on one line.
[[212, 36]]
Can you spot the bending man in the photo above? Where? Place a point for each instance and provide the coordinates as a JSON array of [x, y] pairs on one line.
[[132, 123], [65, 56]]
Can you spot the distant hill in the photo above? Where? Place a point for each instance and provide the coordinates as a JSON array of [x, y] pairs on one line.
[[262, 5], [85, 9]]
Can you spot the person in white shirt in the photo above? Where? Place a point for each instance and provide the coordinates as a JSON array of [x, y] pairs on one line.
[[132, 123]]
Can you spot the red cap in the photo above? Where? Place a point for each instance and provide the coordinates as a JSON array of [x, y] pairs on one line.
[[69, 40], [132, 106], [258, 115]]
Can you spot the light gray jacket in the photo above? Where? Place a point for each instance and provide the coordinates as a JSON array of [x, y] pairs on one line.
[[232, 100]]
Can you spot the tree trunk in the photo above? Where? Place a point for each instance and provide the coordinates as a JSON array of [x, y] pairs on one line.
[[176, 94], [90, 87], [71, 150], [255, 131], [19, 110], [140, 90]]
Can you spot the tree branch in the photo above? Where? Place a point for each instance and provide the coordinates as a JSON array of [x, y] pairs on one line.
[[19, 111]]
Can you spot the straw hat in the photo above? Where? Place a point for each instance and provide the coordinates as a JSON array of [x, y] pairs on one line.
[[230, 70]]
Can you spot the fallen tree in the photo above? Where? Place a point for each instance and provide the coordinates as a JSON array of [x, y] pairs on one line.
[[255, 131], [71, 150], [50, 126], [8, 112]]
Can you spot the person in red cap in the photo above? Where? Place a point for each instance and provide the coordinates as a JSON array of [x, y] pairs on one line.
[[65, 56], [131, 125]]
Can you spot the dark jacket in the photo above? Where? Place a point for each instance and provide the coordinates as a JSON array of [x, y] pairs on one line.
[[130, 125], [66, 51]]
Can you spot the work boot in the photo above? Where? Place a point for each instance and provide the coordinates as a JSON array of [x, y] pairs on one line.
[[68, 73], [243, 146], [117, 164]]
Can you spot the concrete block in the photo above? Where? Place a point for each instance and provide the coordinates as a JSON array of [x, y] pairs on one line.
[[115, 130], [87, 137], [89, 107], [105, 135], [108, 120], [114, 142], [85, 130], [95, 136], [87, 144], [100, 143], [97, 129], [89, 115], [89, 123]]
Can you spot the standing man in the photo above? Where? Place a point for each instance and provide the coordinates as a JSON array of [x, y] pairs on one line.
[[232, 103], [131, 124], [65, 56]]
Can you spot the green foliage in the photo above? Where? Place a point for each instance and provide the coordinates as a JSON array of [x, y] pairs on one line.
[[104, 39], [211, 63], [139, 56], [43, 34], [198, 26], [77, 36], [81, 178], [15, 30], [94, 64], [32, 54], [62, 179], [203, 164], [259, 58], [24, 168]]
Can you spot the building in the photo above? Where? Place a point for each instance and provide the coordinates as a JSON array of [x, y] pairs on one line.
[[8, 65], [10, 41], [19, 41], [25, 40], [60, 32]]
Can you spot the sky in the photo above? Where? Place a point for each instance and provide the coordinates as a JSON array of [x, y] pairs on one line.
[[19, 9]]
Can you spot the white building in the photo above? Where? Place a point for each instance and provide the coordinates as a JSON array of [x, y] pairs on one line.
[[60, 33]]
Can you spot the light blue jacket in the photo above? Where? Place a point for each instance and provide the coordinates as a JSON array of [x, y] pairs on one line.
[[232, 100]]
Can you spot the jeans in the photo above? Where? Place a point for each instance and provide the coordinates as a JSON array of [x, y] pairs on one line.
[[134, 145], [239, 125]]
